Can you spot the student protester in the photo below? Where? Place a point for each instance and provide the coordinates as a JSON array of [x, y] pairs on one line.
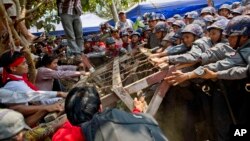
[[14, 128], [112, 50], [88, 45], [135, 40], [70, 12], [14, 77], [97, 44], [17, 97], [49, 70], [126, 41], [81, 112], [116, 36], [145, 34]]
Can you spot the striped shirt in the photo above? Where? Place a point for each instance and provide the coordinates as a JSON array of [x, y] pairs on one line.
[[71, 7]]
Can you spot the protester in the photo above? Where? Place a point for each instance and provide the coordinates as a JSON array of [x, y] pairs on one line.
[[70, 12]]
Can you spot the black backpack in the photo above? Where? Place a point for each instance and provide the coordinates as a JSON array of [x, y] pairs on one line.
[[116, 125]]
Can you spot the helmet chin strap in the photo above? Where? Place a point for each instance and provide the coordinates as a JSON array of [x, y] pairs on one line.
[[238, 42], [220, 38]]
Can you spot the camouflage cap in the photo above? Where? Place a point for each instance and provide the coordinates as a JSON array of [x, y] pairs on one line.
[[169, 37], [194, 29], [239, 25], [177, 17], [238, 10], [235, 4], [171, 20], [135, 33], [11, 123], [225, 6], [221, 24], [110, 40], [161, 27], [206, 10], [193, 15], [180, 23], [208, 18]]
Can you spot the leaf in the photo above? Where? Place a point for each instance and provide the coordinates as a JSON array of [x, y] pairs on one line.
[[40, 24]]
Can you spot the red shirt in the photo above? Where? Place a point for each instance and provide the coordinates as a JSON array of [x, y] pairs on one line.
[[68, 132]]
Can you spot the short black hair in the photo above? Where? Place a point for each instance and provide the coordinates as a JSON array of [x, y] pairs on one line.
[[81, 104], [8, 58], [47, 59]]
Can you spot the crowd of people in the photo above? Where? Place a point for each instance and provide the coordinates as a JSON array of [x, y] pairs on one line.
[[207, 96]]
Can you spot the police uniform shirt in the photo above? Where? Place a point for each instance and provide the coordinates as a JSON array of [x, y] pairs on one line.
[[233, 73], [174, 50], [219, 52], [198, 47], [238, 59]]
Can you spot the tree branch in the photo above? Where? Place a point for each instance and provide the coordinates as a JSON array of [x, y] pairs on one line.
[[7, 23], [20, 20], [35, 8], [18, 7]]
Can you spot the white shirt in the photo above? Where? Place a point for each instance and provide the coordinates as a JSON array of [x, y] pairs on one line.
[[124, 25], [20, 85]]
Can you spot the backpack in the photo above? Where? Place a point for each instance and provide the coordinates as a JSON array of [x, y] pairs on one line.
[[116, 125]]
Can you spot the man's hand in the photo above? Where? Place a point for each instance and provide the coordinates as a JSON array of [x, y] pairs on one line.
[[159, 60], [154, 55], [177, 77], [62, 94], [85, 73], [209, 74], [57, 107], [140, 104]]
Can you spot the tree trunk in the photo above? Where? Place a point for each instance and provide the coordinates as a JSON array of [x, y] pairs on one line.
[[114, 11], [7, 25]]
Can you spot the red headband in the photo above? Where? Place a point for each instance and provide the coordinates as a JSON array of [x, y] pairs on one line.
[[17, 62]]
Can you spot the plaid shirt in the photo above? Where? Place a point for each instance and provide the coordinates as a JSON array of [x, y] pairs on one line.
[[71, 7]]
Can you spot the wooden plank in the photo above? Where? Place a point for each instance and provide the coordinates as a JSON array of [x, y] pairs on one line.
[[135, 87], [159, 94], [117, 85], [109, 100], [125, 97], [117, 82], [124, 58], [86, 61], [102, 69], [158, 98], [147, 81]]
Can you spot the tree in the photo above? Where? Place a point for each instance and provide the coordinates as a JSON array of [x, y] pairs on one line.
[[14, 27]]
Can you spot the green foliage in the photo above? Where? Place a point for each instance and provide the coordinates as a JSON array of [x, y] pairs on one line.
[[100, 7]]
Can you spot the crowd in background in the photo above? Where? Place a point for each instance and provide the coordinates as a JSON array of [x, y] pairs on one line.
[[205, 99]]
